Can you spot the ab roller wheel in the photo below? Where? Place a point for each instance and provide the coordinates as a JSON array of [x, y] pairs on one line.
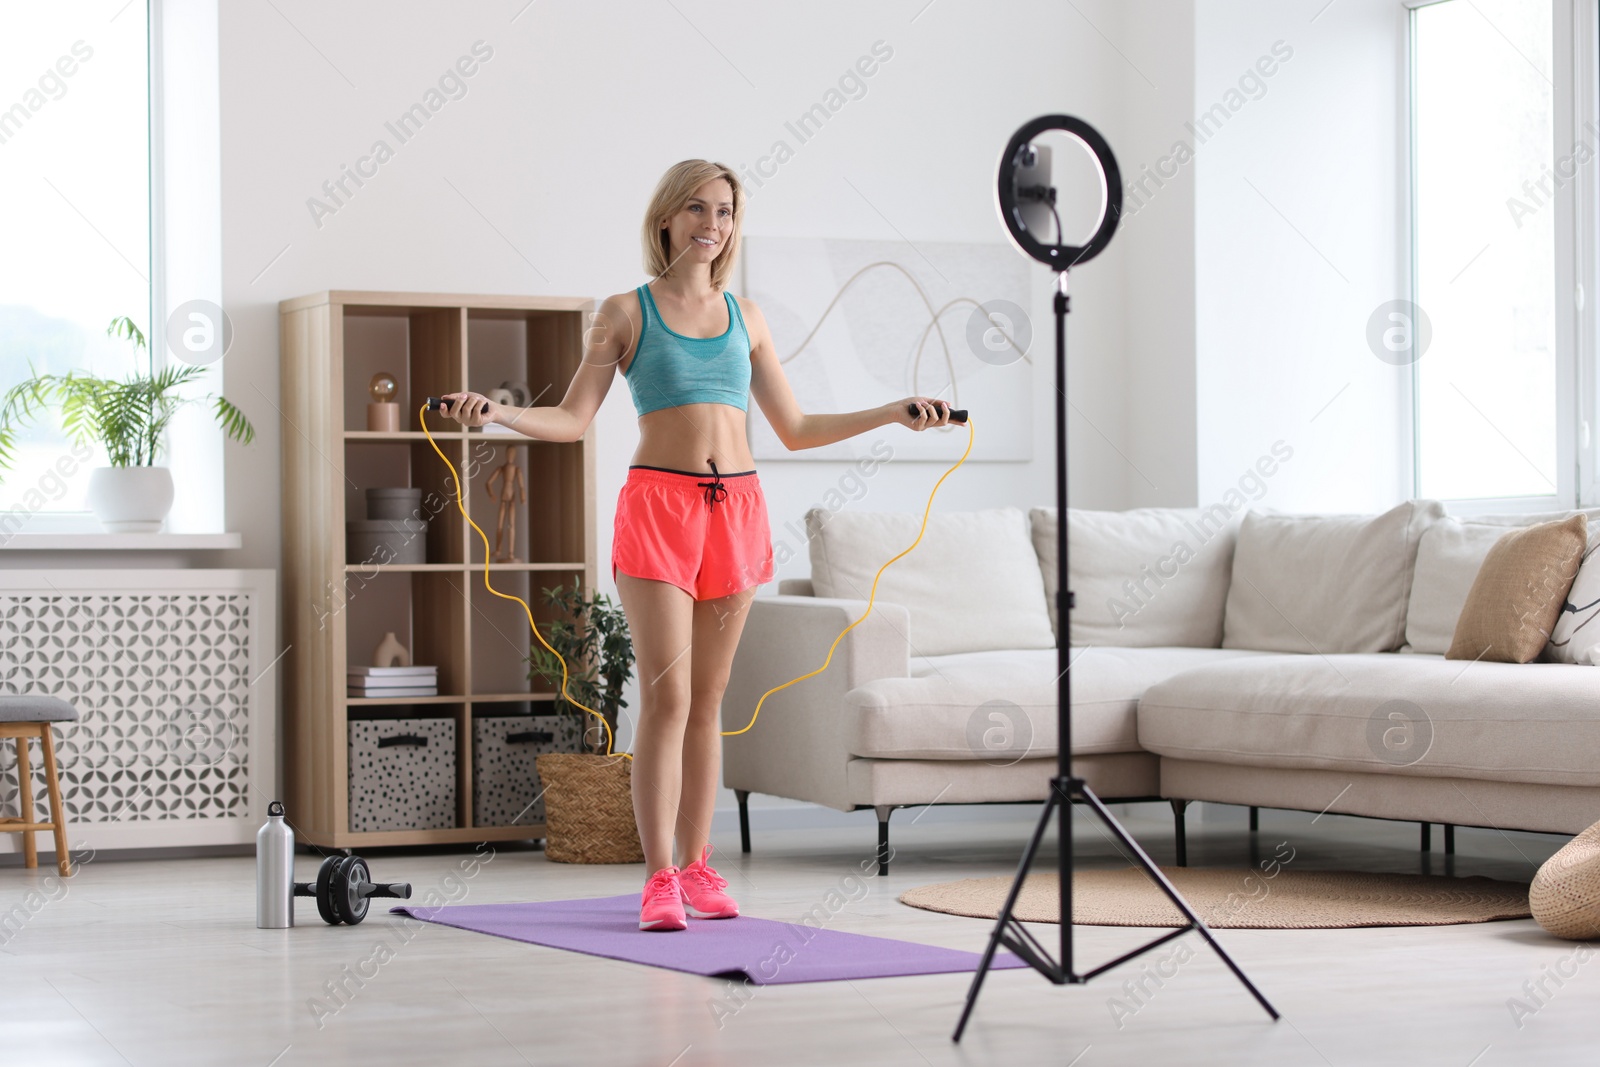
[[344, 888]]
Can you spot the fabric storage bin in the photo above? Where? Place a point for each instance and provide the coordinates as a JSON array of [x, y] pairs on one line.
[[505, 782], [402, 774]]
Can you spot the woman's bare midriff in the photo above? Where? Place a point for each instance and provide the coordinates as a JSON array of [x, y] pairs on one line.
[[691, 437]]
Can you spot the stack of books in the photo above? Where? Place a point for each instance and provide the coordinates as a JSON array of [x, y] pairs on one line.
[[394, 682]]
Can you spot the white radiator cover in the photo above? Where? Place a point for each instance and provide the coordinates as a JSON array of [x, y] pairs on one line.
[[173, 673]]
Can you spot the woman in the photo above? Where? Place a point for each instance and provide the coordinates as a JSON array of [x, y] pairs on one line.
[[692, 538]]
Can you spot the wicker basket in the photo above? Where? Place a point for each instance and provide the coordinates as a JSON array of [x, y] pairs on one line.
[[1565, 894], [588, 806]]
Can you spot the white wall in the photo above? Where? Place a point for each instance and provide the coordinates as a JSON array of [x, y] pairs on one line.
[[1298, 238], [1157, 245], [558, 143]]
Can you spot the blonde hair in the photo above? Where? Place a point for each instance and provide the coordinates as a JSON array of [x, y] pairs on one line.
[[673, 191]]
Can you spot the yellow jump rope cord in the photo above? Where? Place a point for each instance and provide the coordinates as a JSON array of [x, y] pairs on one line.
[[872, 596], [422, 419]]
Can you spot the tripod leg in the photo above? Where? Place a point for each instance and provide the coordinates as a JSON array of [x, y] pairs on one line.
[[1172, 893], [1004, 918]]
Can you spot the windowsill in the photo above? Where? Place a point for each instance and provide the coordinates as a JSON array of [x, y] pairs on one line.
[[56, 542]]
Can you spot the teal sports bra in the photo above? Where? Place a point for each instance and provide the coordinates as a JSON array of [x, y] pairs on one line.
[[669, 369]]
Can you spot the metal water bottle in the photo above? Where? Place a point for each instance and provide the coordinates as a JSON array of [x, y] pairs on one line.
[[275, 872]]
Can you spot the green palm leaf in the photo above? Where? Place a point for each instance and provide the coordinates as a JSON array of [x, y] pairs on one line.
[[130, 417]]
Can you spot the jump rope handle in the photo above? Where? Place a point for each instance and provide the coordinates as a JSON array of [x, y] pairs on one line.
[[956, 414], [435, 404]]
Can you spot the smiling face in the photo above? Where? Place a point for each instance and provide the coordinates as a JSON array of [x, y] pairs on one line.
[[701, 228]]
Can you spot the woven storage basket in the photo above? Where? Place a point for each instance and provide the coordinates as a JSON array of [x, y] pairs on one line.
[[588, 808], [1565, 894]]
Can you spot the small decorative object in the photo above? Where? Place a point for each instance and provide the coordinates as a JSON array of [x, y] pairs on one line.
[[383, 414], [129, 417], [391, 653], [500, 396], [521, 395], [588, 796], [513, 489]]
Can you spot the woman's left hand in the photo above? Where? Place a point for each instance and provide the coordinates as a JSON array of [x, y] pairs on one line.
[[931, 412]]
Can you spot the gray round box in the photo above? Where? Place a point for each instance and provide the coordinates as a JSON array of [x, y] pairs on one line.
[[398, 503], [386, 541]]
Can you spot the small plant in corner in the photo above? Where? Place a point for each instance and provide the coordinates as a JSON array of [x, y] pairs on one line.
[[129, 417], [593, 638]]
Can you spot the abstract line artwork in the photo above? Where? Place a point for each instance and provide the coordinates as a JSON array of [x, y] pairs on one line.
[[858, 323]]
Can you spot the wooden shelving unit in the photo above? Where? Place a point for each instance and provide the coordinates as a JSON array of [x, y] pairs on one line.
[[335, 610]]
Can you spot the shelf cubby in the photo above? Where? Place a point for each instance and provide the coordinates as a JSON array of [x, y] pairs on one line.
[[332, 343]]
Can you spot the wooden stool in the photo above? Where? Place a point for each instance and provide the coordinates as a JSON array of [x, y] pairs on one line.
[[22, 718]]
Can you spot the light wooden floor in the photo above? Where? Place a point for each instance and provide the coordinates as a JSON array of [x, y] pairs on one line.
[[160, 963]]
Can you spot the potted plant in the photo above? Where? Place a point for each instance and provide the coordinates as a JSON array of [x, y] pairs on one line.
[[129, 417], [588, 796]]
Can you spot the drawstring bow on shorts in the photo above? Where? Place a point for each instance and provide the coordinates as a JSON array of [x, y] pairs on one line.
[[715, 490]]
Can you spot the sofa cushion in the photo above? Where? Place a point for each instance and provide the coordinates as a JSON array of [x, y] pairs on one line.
[[1448, 557], [1001, 706], [1146, 578], [1416, 714], [971, 585], [1324, 583], [1518, 594]]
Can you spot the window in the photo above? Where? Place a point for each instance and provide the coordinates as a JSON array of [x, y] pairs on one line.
[[1489, 420], [75, 168]]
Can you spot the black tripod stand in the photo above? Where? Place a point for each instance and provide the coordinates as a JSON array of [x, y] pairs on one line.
[[1064, 788]]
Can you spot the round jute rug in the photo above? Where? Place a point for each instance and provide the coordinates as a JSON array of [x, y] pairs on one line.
[[1238, 898]]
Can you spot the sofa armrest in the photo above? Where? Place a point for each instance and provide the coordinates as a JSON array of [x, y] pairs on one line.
[[796, 587], [797, 747]]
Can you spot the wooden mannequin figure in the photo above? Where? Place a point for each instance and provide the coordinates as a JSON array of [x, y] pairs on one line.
[[513, 488]]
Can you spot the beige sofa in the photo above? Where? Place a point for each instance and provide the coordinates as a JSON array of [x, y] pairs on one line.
[[1224, 655]]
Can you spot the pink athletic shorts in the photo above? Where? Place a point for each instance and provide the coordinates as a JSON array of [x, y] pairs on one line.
[[707, 534]]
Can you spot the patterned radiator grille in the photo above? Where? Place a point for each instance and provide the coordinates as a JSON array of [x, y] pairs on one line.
[[161, 685]]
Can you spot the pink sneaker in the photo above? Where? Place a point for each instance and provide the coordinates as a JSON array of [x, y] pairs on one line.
[[661, 906], [703, 895]]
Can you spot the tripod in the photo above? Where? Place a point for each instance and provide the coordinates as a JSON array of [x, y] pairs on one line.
[[1065, 788]]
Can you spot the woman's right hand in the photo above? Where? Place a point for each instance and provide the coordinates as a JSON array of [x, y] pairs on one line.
[[469, 409]]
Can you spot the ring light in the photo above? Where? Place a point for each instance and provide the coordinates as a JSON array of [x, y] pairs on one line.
[[1012, 195]]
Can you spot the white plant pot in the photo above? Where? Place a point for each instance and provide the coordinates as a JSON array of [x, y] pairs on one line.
[[130, 499]]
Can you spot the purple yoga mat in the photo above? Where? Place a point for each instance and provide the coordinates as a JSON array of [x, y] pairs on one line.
[[768, 952]]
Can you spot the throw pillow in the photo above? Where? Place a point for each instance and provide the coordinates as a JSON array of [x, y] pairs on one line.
[[1576, 635], [1517, 596]]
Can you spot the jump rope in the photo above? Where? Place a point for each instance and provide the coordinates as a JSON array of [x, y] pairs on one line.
[[433, 404]]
